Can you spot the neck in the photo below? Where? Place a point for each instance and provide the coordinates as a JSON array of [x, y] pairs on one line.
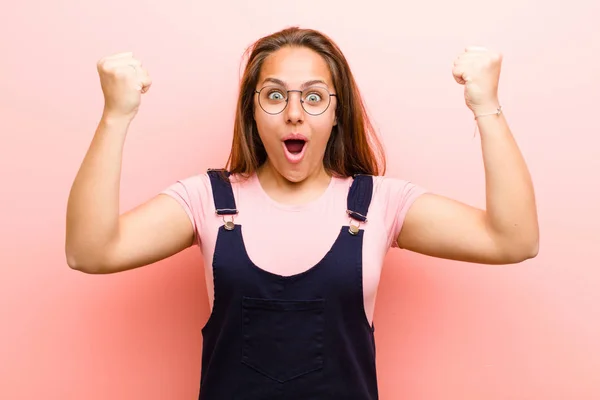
[[284, 190]]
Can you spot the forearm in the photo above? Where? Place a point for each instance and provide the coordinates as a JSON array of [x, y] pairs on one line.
[[510, 200], [93, 205]]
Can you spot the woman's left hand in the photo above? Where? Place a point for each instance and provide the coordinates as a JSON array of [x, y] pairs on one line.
[[479, 70]]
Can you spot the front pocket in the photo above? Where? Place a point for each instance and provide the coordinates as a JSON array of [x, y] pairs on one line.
[[283, 339]]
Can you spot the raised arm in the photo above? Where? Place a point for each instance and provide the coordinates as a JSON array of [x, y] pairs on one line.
[[507, 230], [98, 239]]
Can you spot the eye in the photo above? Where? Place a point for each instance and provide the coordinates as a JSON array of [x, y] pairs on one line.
[[275, 95], [313, 97]]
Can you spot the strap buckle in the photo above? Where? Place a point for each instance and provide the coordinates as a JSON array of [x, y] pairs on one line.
[[227, 224], [357, 216], [226, 211]]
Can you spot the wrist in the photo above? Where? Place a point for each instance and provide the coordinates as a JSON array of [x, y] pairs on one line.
[[114, 124], [487, 110], [113, 118]]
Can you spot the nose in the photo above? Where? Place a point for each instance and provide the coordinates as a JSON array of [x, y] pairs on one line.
[[294, 111]]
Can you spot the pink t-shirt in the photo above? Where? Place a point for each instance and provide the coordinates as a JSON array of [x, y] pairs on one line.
[[289, 239]]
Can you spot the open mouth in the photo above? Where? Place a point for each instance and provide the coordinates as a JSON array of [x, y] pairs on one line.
[[294, 146], [294, 150]]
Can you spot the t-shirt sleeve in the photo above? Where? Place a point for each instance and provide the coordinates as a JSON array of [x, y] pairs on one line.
[[192, 193], [397, 196]]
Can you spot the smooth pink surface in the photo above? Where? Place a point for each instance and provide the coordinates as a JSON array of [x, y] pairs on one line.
[[445, 330]]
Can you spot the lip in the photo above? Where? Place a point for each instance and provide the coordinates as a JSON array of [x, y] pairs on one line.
[[294, 136], [291, 157]]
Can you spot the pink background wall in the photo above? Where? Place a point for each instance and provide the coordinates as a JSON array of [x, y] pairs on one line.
[[445, 330]]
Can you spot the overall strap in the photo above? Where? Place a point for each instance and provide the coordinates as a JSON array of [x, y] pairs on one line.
[[222, 192], [223, 195], [359, 199]]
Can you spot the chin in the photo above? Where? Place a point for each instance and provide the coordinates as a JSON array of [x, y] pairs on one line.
[[294, 176], [292, 173]]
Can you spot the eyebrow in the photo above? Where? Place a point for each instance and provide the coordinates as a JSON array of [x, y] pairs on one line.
[[303, 86]]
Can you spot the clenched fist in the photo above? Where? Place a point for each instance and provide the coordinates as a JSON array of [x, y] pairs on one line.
[[123, 81], [479, 70]]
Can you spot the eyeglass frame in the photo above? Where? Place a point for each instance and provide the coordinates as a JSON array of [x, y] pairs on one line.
[[287, 100]]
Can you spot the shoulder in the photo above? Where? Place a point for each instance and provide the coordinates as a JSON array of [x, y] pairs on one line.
[[202, 182], [395, 196], [193, 186], [387, 188], [198, 188], [195, 193], [390, 195]]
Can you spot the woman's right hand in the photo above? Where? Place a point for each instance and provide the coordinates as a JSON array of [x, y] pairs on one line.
[[123, 81]]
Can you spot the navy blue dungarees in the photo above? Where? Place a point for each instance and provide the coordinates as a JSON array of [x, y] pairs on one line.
[[304, 336]]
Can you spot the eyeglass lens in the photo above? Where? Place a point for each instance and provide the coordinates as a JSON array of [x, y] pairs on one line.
[[273, 99]]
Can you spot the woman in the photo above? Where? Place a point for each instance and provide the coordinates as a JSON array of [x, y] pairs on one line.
[[293, 296]]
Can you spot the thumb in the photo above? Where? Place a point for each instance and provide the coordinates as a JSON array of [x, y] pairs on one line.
[[143, 80], [459, 75]]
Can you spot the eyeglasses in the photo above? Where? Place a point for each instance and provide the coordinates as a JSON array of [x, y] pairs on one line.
[[273, 99]]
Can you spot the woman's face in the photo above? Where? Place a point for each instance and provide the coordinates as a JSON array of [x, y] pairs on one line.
[[295, 138]]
